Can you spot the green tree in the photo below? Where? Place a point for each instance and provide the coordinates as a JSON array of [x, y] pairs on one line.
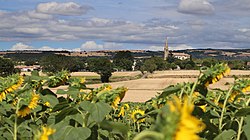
[[123, 64], [56, 63], [101, 66], [160, 63], [6, 67], [149, 66], [30, 63], [123, 60]]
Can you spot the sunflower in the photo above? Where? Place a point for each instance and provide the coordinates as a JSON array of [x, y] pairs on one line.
[[136, 114], [23, 112], [82, 80], [235, 93], [226, 71], [47, 104], [34, 101], [46, 133], [123, 108], [116, 102], [11, 88], [188, 126]]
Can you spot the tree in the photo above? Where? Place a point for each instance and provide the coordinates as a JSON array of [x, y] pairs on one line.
[[160, 63], [6, 67], [56, 63], [101, 66], [123, 60], [149, 66]]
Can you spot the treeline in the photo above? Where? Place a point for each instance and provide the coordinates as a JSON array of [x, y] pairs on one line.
[[105, 66]]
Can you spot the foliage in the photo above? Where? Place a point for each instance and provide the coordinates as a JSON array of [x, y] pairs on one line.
[[101, 66], [29, 109], [6, 67], [123, 60], [56, 63], [149, 66]]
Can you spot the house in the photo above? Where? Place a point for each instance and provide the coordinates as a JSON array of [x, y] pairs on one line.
[[181, 56], [28, 68]]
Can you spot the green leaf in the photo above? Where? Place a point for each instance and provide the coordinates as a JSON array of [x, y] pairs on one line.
[[61, 91], [243, 112], [72, 133], [97, 111], [246, 127], [65, 112], [170, 90], [116, 128], [214, 113], [51, 99], [226, 135]]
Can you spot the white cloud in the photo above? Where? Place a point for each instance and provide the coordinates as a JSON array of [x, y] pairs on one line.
[[156, 48], [180, 47], [202, 7], [93, 46], [68, 8], [35, 14], [21, 46]]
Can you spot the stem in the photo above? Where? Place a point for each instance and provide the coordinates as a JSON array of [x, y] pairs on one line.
[[194, 86], [240, 126], [224, 107], [241, 122], [15, 124]]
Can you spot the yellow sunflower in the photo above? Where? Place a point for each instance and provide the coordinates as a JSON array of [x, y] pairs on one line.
[[188, 125], [136, 114], [82, 80], [34, 101], [125, 107], [235, 93], [215, 79], [116, 102], [23, 112], [46, 133], [10, 89], [47, 104]]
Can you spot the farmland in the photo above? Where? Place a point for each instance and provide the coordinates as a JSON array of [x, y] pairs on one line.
[[210, 105], [140, 90]]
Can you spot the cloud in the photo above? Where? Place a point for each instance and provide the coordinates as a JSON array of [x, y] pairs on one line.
[[200, 7], [66, 9], [35, 14], [178, 47], [93, 46], [21, 46]]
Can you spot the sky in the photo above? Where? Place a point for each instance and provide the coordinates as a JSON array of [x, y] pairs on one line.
[[90, 25]]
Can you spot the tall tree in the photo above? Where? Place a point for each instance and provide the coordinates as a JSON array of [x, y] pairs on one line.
[[101, 66], [123, 60], [6, 67], [56, 63]]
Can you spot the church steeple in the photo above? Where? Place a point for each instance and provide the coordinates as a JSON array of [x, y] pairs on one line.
[[166, 52]]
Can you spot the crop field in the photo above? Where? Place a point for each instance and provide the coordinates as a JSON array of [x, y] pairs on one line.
[[210, 106]]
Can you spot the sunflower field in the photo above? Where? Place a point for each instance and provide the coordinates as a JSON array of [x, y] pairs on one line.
[[29, 109]]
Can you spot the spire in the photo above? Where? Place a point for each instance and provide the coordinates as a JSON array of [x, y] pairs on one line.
[[166, 50]]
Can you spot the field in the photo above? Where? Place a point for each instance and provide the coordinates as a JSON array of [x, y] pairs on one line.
[[58, 106], [141, 90]]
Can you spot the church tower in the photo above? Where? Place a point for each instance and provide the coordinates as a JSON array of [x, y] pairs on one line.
[[166, 52]]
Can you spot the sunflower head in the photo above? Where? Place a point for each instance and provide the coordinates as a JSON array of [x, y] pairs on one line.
[[116, 102], [34, 100], [46, 132], [136, 116], [24, 111]]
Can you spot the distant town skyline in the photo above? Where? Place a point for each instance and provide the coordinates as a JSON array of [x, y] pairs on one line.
[[92, 25]]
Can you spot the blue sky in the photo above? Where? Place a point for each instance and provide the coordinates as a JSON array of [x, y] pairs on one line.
[[118, 24]]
